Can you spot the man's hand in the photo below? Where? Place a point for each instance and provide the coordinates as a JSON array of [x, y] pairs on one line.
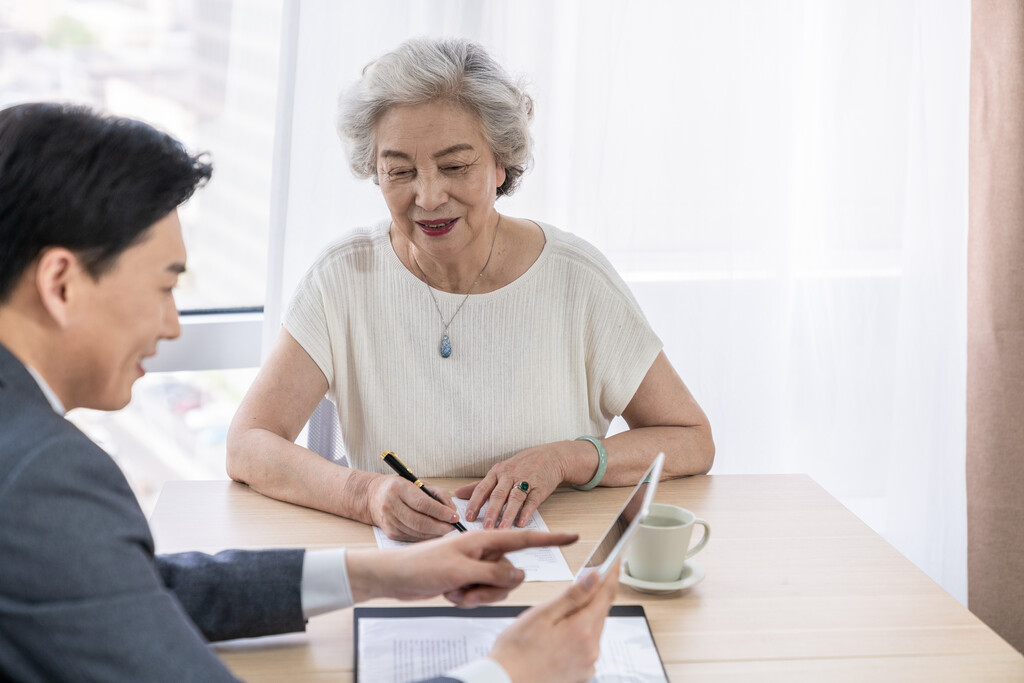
[[559, 640], [469, 569]]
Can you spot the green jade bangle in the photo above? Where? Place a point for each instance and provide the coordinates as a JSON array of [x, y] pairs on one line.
[[602, 463]]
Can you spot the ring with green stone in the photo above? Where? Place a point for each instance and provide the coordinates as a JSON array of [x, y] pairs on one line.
[[523, 486]]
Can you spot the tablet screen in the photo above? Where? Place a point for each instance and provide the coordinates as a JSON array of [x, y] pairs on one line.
[[611, 546]]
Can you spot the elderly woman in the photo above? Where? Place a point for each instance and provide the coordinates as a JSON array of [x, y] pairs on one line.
[[471, 343]]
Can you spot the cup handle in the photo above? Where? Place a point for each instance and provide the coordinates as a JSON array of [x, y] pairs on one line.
[[703, 541]]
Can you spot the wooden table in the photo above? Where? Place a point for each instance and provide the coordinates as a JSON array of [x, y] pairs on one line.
[[797, 587]]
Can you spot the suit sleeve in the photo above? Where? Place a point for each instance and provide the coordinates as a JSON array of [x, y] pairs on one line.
[[238, 593], [81, 595]]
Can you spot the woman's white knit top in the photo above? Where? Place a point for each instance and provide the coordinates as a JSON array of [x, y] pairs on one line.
[[552, 356]]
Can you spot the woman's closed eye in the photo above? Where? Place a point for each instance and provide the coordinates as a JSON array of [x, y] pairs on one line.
[[455, 166]]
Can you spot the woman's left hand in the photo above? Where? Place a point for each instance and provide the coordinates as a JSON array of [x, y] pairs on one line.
[[541, 467]]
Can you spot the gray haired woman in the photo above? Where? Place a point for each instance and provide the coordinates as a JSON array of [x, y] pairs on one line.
[[471, 343]]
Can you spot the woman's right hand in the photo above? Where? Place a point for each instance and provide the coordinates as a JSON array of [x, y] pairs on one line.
[[405, 513]]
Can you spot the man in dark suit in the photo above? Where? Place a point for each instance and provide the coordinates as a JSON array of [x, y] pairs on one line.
[[90, 252]]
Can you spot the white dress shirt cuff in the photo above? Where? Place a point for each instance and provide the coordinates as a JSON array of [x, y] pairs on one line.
[[481, 671], [325, 585]]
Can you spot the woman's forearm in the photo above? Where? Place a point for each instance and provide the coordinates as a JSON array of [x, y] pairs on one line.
[[664, 418], [688, 450], [286, 471]]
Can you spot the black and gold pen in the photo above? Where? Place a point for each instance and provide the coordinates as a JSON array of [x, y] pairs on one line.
[[405, 473]]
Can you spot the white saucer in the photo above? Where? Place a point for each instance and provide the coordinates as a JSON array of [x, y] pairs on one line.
[[693, 573]]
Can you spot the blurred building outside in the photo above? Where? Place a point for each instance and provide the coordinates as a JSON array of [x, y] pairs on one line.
[[206, 72]]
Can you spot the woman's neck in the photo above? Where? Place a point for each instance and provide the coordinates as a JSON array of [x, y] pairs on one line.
[[461, 273]]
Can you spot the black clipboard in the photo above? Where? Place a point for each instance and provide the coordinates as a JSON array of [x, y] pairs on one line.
[[492, 612]]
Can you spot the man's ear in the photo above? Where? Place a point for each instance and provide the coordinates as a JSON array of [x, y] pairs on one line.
[[57, 273]]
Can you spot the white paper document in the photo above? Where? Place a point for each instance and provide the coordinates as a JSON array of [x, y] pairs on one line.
[[540, 564], [408, 649]]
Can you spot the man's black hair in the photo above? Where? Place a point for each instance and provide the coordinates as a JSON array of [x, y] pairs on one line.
[[73, 178]]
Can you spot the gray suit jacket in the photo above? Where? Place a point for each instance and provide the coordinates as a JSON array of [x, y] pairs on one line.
[[82, 596]]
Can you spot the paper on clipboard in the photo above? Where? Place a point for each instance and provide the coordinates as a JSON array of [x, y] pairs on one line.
[[404, 644]]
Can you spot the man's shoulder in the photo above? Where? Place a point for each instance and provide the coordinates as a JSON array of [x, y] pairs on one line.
[[42, 455], [29, 429], [56, 484], [73, 523], [28, 425]]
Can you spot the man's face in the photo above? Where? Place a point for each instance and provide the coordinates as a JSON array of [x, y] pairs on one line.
[[116, 321]]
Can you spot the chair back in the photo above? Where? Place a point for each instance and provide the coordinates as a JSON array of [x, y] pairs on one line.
[[324, 434]]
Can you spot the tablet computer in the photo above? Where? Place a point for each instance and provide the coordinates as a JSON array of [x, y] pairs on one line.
[[616, 539]]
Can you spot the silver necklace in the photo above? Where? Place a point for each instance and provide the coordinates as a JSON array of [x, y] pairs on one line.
[[446, 344]]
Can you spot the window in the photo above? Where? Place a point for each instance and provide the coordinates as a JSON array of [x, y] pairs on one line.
[[174, 428], [205, 71]]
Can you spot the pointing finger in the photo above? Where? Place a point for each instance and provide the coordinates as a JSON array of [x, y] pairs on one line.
[[510, 540]]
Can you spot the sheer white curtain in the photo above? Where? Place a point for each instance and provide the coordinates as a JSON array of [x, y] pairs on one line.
[[783, 185]]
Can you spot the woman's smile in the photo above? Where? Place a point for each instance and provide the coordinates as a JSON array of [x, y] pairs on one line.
[[438, 227]]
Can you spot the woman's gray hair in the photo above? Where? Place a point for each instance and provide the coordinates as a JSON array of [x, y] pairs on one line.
[[452, 70]]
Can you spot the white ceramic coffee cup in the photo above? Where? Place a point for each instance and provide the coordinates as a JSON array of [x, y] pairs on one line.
[[661, 545]]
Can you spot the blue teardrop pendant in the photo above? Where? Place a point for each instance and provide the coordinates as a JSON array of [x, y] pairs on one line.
[[446, 346]]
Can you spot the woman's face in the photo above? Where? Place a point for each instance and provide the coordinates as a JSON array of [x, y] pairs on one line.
[[438, 177]]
